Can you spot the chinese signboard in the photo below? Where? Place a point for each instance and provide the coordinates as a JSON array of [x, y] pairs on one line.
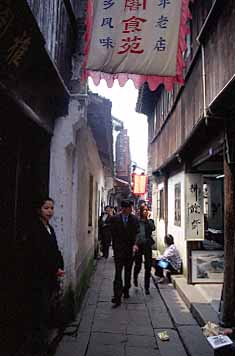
[[139, 184], [194, 218], [138, 37], [16, 38]]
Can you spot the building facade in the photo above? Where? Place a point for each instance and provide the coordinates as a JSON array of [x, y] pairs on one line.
[[122, 166], [48, 145], [123, 158], [191, 145]]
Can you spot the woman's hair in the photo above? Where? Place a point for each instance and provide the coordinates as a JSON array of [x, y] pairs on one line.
[[142, 208], [169, 240], [40, 201]]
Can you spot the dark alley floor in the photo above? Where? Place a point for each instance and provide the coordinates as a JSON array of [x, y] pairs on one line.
[[132, 329]]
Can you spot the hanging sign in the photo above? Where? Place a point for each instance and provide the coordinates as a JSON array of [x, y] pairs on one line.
[[137, 39], [139, 184], [194, 214]]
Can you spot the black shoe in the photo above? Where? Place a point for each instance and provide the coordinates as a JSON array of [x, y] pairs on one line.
[[116, 302], [135, 282], [147, 292]]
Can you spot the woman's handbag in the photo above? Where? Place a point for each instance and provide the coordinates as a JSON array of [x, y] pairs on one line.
[[163, 264]]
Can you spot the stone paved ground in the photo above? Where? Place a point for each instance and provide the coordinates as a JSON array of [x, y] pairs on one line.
[[132, 329]]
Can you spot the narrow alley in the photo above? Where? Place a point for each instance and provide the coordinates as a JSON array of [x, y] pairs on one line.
[[132, 329], [117, 129]]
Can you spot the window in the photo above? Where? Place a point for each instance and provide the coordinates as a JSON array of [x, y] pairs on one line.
[[160, 204], [90, 211], [178, 204]]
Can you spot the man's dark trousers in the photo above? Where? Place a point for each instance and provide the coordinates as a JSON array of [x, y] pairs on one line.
[[124, 262], [123, 240]]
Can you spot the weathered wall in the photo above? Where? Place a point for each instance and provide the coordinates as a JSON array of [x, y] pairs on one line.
[[160, 230], [220, 68], [74, 156], [178, 232], [172, 129]]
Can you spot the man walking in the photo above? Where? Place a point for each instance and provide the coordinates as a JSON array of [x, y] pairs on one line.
[[124, 228]]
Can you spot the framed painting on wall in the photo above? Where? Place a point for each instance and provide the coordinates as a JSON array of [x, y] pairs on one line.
[[207, 266]]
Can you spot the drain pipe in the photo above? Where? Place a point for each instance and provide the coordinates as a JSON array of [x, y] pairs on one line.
[[203, 80]]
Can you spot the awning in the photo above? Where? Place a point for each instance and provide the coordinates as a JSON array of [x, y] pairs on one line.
[[120, 182]]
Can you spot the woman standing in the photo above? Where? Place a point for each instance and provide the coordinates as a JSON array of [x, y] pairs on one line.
[[46, 265], [144, 244]]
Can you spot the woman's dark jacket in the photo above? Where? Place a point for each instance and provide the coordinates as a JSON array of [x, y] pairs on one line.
[[44, 255], [147, 239]]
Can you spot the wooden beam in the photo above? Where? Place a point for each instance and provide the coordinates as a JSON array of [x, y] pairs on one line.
[[228, 316], [71, 16]]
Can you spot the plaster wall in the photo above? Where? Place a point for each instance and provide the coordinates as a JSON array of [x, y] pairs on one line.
[[74, 156], [154, 212], [160, 230], [178, 232]]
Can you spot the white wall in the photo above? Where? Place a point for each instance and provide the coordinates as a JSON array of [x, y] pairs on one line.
[[178, 232], [154, 209], [160, 224], [88, 163], [74, 156]]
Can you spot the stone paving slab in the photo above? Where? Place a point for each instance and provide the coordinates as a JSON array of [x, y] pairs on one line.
[[178, 309], [73, 346], [138, 316], [131, 329], [106, 322], [86, 319], [196, 301], [93, 296], [99, 338], [105, 350], [192, 337], [134, 351], [161, 320], [135, 329], [173, 347], [142, 342]]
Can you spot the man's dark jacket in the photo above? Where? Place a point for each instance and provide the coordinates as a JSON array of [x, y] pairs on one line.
[[123, 236]]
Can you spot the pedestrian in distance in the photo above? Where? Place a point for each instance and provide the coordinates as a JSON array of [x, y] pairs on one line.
[[170, 259], [144, 243], [105, 230], [46, 266], [124, 229]]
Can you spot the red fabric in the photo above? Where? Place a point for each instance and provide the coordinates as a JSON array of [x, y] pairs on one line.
[[153, 81]]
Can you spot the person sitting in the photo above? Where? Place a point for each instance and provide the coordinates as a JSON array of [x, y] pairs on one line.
[[170, 260]]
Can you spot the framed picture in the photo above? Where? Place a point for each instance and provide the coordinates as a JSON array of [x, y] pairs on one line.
[[207, 266]]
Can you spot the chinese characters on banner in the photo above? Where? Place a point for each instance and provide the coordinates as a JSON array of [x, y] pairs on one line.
[[194, 215], [139, 184], [143, 39]]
